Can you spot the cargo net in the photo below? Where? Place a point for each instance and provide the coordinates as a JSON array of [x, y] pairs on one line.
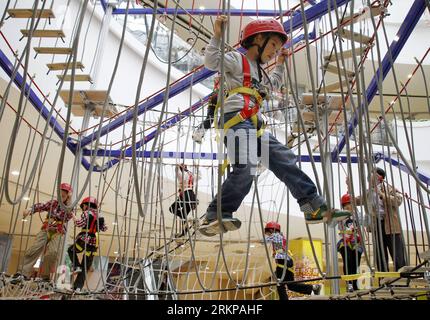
[[148, 252]]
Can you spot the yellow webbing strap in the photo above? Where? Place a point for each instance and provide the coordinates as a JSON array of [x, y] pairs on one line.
[[238, 118], [349, 277]]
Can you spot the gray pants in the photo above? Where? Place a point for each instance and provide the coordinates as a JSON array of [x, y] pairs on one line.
[[46, 244]]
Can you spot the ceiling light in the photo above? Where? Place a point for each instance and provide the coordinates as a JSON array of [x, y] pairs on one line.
[[410, 75], [252, 246], [115, 252], [26, 198], [24, 220], [202, 7], [396, 38], [15, 173], [114, 223], [234, 272], [207, 268]]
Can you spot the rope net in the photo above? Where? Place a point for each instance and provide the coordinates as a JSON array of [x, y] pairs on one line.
[[105, 126]]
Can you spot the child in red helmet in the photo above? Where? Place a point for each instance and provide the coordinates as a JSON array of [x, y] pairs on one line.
[[274, 235], [87, 240], [349, 246], [50, 237], [245, 138], [186, 200]]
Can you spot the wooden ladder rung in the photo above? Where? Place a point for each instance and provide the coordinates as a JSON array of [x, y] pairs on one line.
[[93, 99], [308, 116], [78, 77], [336, 85], [63, 65], [346, 54], [53, 50], [356, 17], [358, 37], [307, 99], [44, 33], [28, 13], [333, 69]]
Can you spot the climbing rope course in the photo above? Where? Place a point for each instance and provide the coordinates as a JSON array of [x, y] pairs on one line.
[[107, 171]]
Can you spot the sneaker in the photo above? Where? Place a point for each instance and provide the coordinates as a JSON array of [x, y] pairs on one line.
[[209, 228], [179, 235], [198, 135], [340, 215], [77, 270], [323, 214], [350, 288], [17, 278], [231, 224], [316, 216], [316, 289]]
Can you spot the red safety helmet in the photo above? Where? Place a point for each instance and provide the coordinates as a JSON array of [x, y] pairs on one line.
[[90, 201], [263, 26], [346, 198], [273, 225], [66, 187]]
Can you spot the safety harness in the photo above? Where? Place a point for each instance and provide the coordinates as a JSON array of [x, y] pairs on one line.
[[247, 90], [91, 230]]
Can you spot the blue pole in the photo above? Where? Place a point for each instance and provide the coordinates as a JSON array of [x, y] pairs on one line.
[[404, 32], [402, 167], [202, 12]]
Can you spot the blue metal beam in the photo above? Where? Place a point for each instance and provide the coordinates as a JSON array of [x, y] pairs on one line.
[[404, 32], [402, 167], [214, 156], [7, 66], [202, 12], [182, 155]]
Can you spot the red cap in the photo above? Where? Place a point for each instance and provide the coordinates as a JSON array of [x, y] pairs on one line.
[[263, 26], [273, 225], [89, 200]]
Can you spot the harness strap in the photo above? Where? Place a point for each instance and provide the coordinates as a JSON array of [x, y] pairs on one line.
[[246, 113]]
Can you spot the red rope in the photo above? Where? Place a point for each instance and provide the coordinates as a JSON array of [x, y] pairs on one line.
[[191, 18], [22, 117], [403, 89]]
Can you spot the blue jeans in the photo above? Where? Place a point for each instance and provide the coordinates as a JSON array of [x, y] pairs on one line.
[[243, 159]]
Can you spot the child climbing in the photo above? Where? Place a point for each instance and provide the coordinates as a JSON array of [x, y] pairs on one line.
[[186, 200], [274, 235], [245, 84], [349, 246], [49, 239], [87, 240]]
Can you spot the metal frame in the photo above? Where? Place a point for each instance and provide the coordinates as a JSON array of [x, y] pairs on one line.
[[396, 46], [311, 14], [200, 12]]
